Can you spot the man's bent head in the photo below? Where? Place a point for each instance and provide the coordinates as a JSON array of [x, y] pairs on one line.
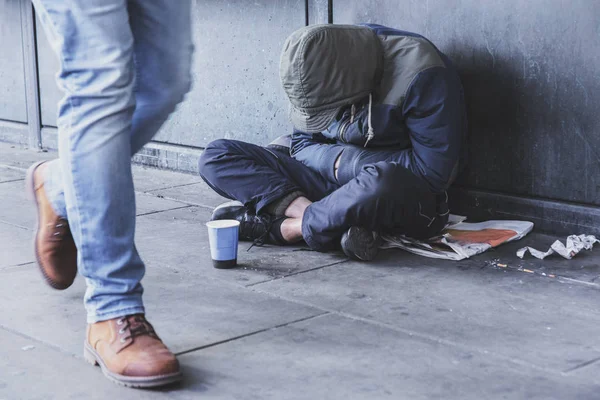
[[326, 67]]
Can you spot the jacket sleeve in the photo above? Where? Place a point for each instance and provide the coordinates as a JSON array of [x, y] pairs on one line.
[[433, 114], [316, 152], [386, 121]]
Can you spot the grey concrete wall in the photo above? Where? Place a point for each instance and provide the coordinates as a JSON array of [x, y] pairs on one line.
[[236, 91], [531, 71], [13, 106]]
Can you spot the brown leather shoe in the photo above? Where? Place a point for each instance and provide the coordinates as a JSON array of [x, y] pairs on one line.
[[130, 353], [54, 247]]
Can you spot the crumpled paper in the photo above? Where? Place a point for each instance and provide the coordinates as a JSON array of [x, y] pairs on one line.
[[575, 243]]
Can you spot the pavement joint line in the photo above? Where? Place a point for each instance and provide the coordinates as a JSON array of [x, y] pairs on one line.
[[173, 186], [419, 335], [251, 333], [15, 225], [25, 264], [190, 203], [161, 211], [582, 365], [577, 281], [298, 273], [8, 166], [39, 341], [12, 180]]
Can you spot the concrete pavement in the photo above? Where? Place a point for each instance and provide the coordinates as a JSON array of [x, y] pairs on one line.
[[294, 324]]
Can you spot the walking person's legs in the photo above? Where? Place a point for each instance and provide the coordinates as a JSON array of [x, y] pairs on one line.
[[124, 66]]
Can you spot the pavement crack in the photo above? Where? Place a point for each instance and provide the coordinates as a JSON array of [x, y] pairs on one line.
[[252, 333], [582, 365], [161, 211]]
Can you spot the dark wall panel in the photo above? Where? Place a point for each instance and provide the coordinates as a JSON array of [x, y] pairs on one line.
[[236, 91], [531, 71], [13, 106]]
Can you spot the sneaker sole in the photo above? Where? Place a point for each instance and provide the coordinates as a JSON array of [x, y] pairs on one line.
[[233, 203], [353, 240], [93, 358], [30, 189]]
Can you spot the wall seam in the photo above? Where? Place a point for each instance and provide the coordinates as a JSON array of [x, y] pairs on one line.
[[32, 88]]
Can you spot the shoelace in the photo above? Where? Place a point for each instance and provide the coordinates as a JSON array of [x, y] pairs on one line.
[[137, 325], [260, 241], [60, 229]]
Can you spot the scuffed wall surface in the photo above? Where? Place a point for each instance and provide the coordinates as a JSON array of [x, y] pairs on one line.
[[531, 71], [236, 91]]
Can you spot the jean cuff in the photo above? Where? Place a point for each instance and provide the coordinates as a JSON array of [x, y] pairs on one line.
[[121, 312], [54, 188], [311, 241]]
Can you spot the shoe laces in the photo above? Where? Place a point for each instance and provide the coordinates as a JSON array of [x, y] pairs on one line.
[[260, 240], [135, 325], [59, 229]]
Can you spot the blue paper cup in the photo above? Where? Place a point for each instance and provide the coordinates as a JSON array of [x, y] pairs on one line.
[[223, 238]]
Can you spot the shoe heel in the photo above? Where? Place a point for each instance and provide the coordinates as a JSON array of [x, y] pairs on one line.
[[89, 356]]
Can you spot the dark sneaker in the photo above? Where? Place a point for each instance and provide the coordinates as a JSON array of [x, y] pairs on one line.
[[253, 228], [361, 244]]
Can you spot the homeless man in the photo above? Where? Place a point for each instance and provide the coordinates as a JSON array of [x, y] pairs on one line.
[[379, 124]]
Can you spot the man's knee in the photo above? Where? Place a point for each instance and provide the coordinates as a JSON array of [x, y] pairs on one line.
[[213, 152], [391, 181], [381, 179]]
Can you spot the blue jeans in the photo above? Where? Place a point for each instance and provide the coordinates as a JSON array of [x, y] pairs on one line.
[[124, 66]]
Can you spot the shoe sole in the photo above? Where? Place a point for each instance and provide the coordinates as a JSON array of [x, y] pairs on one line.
[[233, 203], [30, 189], [93, 358], [354, 241]]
